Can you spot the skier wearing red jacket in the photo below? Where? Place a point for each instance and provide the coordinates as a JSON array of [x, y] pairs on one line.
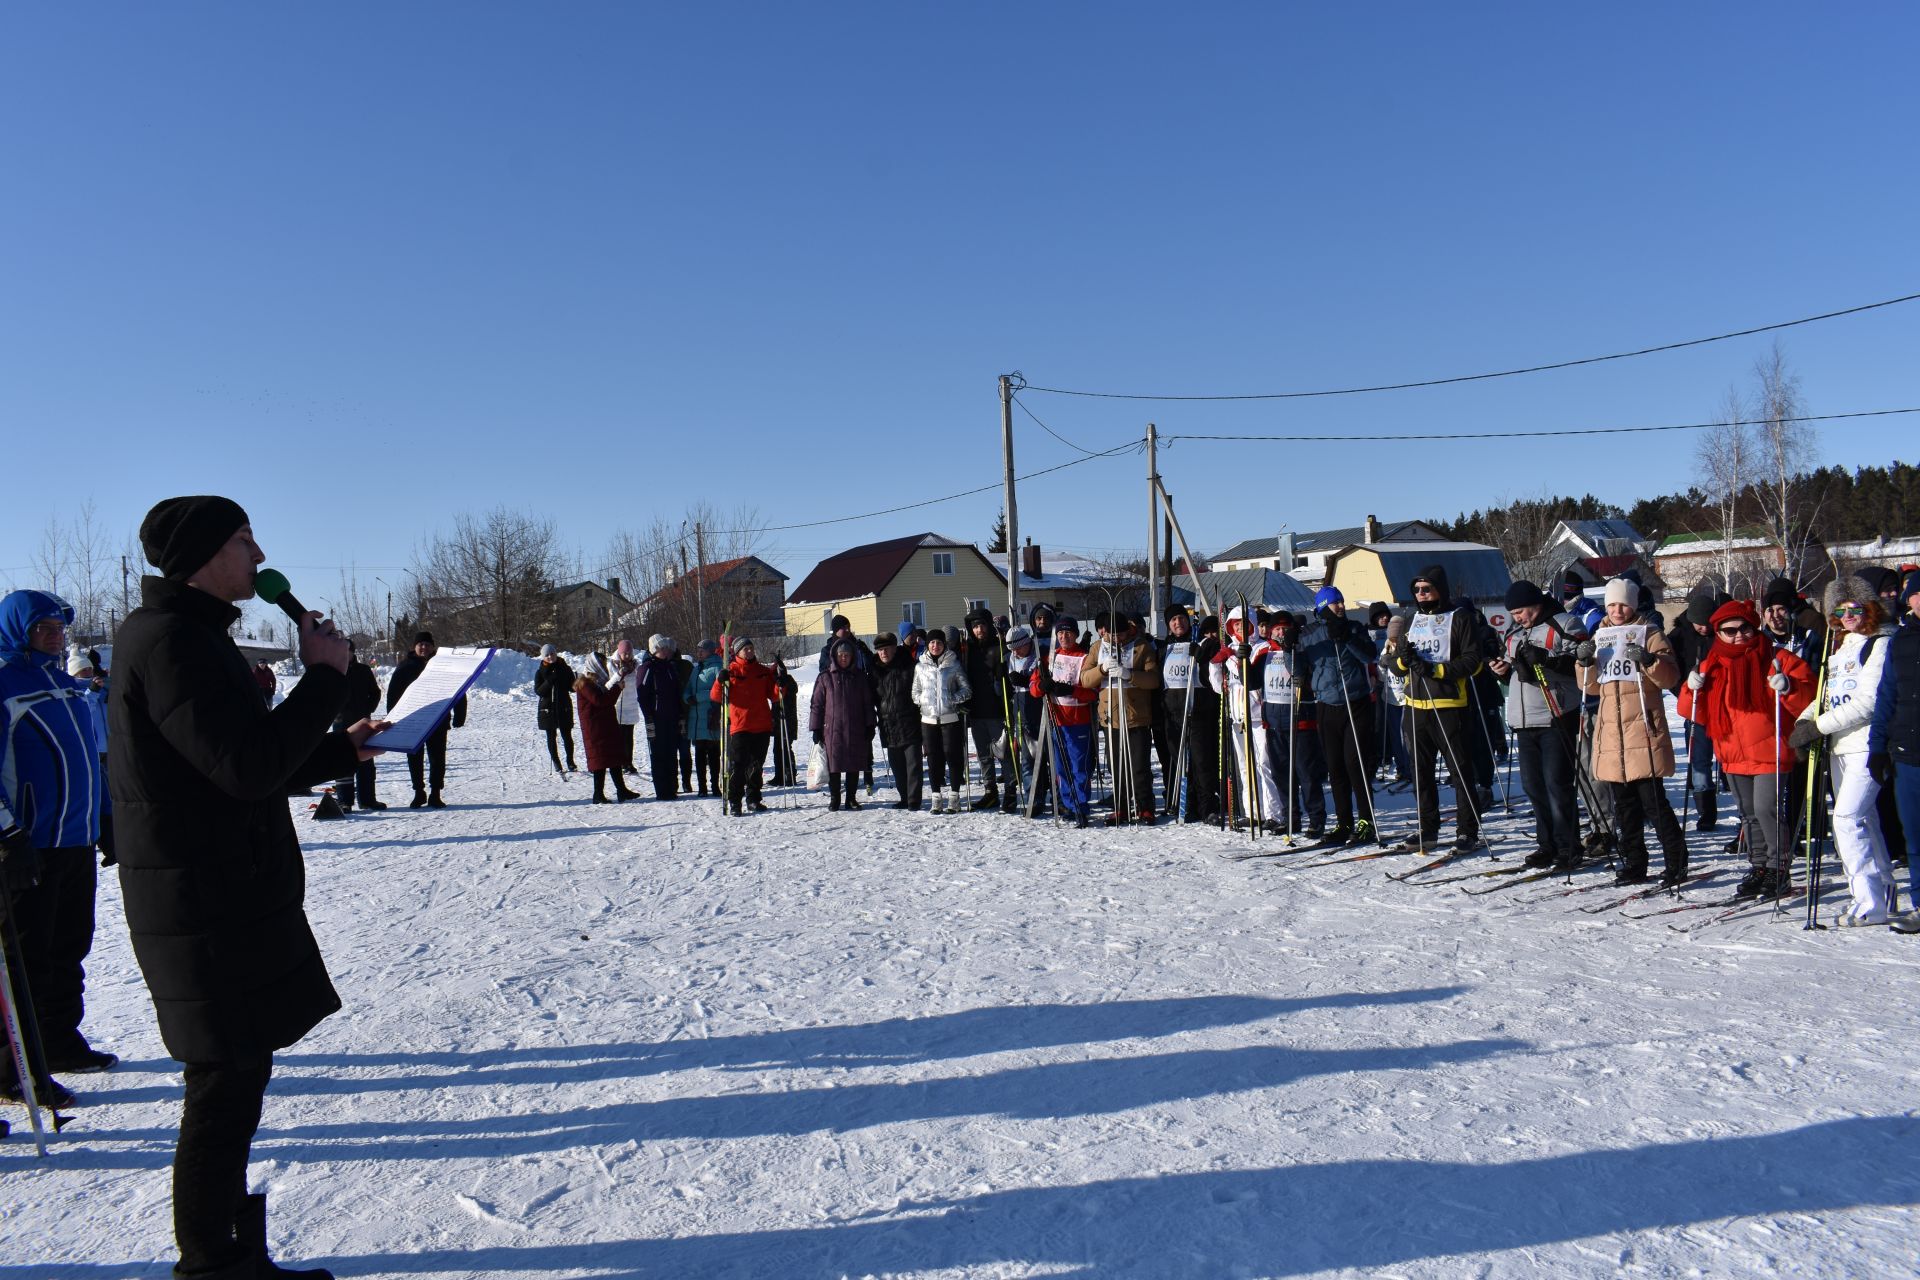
[[1747, 692], [749, 690], [1058, 681]]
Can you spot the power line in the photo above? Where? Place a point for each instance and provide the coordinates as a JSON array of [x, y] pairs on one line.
[[1049, 430], [1350, 438], [1504, 373]]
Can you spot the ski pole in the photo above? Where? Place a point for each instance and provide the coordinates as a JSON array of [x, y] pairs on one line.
[[1818, 760], [14, 1001]]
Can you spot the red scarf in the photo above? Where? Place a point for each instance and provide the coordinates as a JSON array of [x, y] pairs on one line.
[[1736, 674]]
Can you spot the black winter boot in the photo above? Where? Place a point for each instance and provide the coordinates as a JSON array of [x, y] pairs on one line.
[[1751, 886]]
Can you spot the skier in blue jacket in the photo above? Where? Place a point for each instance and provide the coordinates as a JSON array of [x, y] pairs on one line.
[[52, 794]]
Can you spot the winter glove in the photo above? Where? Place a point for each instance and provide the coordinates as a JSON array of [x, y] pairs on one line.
[[1696, 680], [1880, 765], [1239, 650], [1288, 641], [1336, 628], [1780, 683], [651, 731], [1585, 652], [1638, 656], [1805, 733], [1416, 665], [1527, 655]]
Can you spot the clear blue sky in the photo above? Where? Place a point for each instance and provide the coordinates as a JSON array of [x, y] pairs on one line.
[[363, 266]]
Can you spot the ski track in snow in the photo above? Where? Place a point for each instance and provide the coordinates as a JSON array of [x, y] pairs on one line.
[[650, 1041]]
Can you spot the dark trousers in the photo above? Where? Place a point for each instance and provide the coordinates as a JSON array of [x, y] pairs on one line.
[[217, 1125], [683, 751], [432, 752], [663, 750], [53, 922], [1637, 803], [356, 786], [1203, 764], [554, 735], [1129, 752], [945, 748], [1547, 766], [746, 761], [907, 779], [1700, 779], [706, 759], [1346, 729], [989, 743], [1440, 730], [852, 779]]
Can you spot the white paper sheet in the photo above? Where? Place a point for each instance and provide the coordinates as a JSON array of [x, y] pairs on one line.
[[430, 698]]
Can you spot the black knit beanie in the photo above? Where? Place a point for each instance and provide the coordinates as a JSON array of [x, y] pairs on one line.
[[181, 534]]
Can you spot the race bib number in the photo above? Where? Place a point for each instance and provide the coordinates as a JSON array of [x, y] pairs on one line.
[[1177, 673], [1277, 690], [1066, 667], [1843, 681], [1431, 635], [1610, 657]]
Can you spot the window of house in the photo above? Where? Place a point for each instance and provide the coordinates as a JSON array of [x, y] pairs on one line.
[[943, 564], [975, 604], [914, 612]]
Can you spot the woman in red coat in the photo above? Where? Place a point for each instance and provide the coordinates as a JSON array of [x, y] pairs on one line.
[[600, 729], [1747, 692]]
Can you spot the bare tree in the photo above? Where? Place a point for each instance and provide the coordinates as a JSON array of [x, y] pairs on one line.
[[1724, 460], [1786, 454], [686, 576], [491, 579], [73, 561]]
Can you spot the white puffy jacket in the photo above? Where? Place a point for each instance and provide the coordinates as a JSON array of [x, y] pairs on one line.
[[940, 689], [1844, 712]]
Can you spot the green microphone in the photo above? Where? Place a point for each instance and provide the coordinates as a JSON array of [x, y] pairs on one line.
[[272, 586]]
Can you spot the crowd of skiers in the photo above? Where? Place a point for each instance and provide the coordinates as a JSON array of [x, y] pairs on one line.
[[1291, 724]]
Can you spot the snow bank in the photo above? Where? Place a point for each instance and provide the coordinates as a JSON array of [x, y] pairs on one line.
[[510, 674]]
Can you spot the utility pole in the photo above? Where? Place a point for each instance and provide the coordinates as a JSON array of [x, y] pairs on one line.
[[1153, 532], [1199, 588], [1013, 515], [700, 582]]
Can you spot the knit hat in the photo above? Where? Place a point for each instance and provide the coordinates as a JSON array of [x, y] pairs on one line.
[[1700, 609], [1436, 577], [78, 663], [1018, 636], [955, 638], [181, 534], [1621, 591], [707, 648], [1910, 585], [737, 645], [549, 651], [657, 641], [1326, 596], [1853, 587], [1878, 577], [978, 618], [839, 621], [1523, 594], [938, 636], [884, 640], [1736, 611], [1779, 591], [1066, 622], [424, 637]]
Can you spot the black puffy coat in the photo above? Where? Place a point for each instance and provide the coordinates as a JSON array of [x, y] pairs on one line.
[[210, 868], [553, 685], [893, 700], [363, 693], [405, 674]]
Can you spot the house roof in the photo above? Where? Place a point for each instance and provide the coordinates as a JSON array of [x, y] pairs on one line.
[[866, 570], [713, 573], [1318, 540], [571, 587], [1595, 533], [1268, 587], [1751, 536]]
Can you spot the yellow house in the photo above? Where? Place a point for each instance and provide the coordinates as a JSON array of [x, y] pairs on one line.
[[923, 579], [1384, 571]]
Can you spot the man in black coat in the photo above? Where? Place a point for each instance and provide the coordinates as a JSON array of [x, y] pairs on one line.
[[363, 699], [210, 868], [426, 790], [899, 718]]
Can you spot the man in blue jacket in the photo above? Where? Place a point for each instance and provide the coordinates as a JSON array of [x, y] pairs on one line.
[[51, 796], [1335, 657]]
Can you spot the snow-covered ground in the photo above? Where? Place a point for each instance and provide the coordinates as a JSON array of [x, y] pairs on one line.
[[649, 1041]]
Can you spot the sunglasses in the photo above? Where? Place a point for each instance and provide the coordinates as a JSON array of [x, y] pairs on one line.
[[1736, 629], [1850, 611]]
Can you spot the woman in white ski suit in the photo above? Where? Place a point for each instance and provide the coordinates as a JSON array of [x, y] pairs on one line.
[[1842, 715]]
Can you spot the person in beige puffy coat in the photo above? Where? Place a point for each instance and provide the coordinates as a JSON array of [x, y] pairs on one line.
[[1125, 667], [1629, 666]]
